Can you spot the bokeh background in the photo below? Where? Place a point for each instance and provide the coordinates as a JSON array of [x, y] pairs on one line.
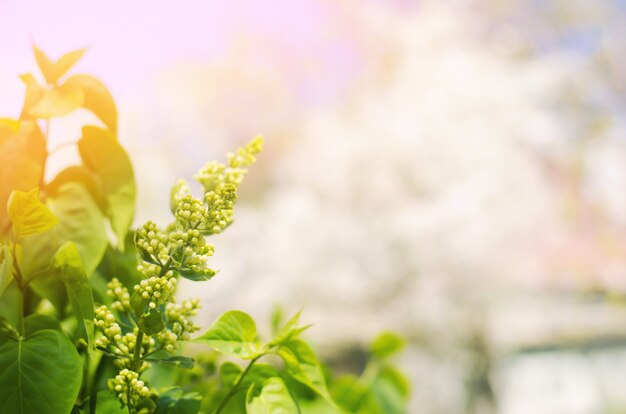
[[453, 170]]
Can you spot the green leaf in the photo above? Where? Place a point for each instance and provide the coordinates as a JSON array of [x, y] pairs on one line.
[[102, 154], [277, 318], [68, 267], [80, 221], [386, 344], [290, 330], [229, 373], [22, 157], [384, 398], [349, 393], [28, 214], [6, 267], [234, 333], [10, 304], [274, 398], [79, 174], [106, 403], [122, 265], [39, 374], [139, 304], [318, 406], [387, 392], [145, 406], [197, 275], [97, 99], [7, 329], [174, 401], [303, 366], [151, 322], [397, 379], [258, 373], [50, 288], [38, 322], [178, 361]]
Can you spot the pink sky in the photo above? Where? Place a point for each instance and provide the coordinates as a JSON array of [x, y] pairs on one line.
[[131, 40]]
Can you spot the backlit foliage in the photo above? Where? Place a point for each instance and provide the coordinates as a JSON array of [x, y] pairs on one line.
[[89, 318]]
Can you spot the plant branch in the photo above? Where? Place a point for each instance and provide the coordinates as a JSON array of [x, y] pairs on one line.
[[137, 353], [234, 389], [136, 364]]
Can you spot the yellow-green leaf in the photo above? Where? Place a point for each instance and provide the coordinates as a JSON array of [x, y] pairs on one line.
[[52, 71], [302, 365], [52, 101], [274, 398], [79, 174], [8, 127], [65, 63], [234, 333], [80, 221], [45, 64], [67, 266], [102, 154], [56, 102], [289, 331], [28, 214], [97, 99], [386, 344], [22, 156], [6, 267], [34, 93]]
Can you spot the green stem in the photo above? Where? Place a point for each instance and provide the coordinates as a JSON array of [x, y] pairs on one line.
[[166, 267], [137, 354], [234, 389]]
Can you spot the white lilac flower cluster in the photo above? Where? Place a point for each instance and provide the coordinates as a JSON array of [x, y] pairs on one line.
[[116, 343], [180, 324], [154, 289], [220, 204], [129, 388], [151, 240], [121, 298], [213, 174], [106, 324], [159, 322]]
